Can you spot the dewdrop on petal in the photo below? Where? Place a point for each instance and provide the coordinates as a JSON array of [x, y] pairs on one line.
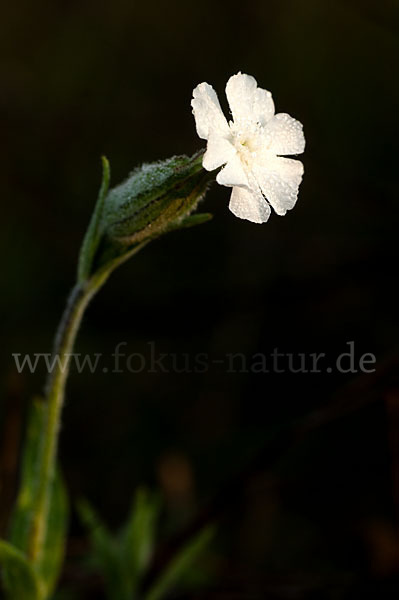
[[252, 148]]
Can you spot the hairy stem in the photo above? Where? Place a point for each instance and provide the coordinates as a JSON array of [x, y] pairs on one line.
[[77, 303], [55, 390]]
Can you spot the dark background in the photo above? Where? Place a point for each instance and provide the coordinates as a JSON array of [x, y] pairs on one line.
[[82, 79]]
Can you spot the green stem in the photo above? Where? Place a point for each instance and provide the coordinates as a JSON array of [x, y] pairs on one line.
[[78, 301], [63, 346]]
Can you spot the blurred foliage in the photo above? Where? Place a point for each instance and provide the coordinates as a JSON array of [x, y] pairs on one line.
[[123, 560]]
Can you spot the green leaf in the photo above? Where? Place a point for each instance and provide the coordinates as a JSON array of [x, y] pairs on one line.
[[19, 579], [124, 558], [92, 237], [105, 552], [138, 536], [180, 564], [22, 517], [49, 566], [54, 545]]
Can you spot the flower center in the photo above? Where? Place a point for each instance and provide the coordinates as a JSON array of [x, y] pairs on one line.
[[245, 141], [246, 148]]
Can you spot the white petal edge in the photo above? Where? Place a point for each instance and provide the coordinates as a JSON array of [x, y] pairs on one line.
[[248, 103], [284, 135], [218, 152], [250, 205], [208, 114], [232, 174], [263, 107], [279, 182]]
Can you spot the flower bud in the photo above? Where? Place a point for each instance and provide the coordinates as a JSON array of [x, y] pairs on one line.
[[156, 198]]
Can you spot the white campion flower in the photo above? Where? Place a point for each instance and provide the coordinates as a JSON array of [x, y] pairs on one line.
[[251, 147]]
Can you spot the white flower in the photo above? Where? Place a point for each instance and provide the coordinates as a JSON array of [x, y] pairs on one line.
[[251, 147]]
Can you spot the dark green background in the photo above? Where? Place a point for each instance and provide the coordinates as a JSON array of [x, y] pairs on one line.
[[82, 79]]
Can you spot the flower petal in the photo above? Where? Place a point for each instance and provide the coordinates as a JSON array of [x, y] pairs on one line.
[[249, 204], [208, 114], [279, 182], [248, 103], [284, 135], [233, 173], [218, 152], [263, 107]]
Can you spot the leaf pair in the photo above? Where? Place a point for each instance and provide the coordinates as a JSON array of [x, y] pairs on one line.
[[124, 559]]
